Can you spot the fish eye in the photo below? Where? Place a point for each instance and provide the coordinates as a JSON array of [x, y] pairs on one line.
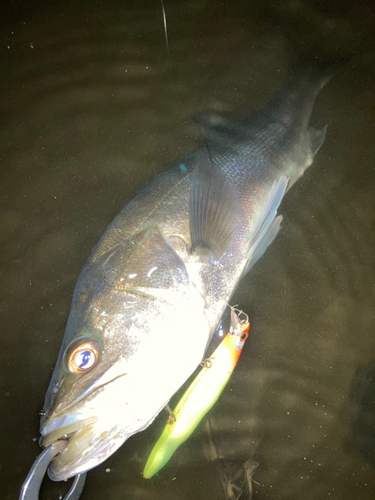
[[83, 356]]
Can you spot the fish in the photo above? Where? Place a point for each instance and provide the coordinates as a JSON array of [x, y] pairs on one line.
[[150, 295], [201, 395]]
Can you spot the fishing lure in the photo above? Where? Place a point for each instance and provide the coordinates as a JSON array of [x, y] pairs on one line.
[[201, 395]]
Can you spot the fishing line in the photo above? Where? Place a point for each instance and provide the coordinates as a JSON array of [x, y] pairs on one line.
[[166, 31]]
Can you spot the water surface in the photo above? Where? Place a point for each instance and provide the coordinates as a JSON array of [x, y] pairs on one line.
[[92, 106]]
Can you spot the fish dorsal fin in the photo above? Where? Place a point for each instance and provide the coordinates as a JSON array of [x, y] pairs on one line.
[[269, 224], [213, 208], [219, 132], [214, 122]]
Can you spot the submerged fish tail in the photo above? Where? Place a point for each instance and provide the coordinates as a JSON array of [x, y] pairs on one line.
[[293, 104]]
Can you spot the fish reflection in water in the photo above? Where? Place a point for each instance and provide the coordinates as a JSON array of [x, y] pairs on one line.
[[235, 478], [155, 286]]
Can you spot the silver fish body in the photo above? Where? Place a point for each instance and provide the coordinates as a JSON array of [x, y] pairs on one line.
[[157, 283]]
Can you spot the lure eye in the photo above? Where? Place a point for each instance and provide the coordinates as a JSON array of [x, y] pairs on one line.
[[83, 356]]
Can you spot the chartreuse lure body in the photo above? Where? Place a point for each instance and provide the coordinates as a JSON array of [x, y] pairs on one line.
[[200, 396]]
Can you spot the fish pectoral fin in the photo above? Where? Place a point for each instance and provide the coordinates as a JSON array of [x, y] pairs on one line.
[[317, 137], [269, 225], [213, 209]]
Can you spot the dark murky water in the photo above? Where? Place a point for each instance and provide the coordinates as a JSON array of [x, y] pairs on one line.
[[92, 106]]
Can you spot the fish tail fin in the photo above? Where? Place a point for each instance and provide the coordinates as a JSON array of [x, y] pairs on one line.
[[304, 80]]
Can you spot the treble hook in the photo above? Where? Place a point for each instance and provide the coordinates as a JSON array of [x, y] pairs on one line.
[[31, 486], [236, 322]]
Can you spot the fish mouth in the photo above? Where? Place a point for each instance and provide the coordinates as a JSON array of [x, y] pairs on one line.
[[60, 428], [89, 444], [90, 441], [75, 458], [91, 436], [83, 452]]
